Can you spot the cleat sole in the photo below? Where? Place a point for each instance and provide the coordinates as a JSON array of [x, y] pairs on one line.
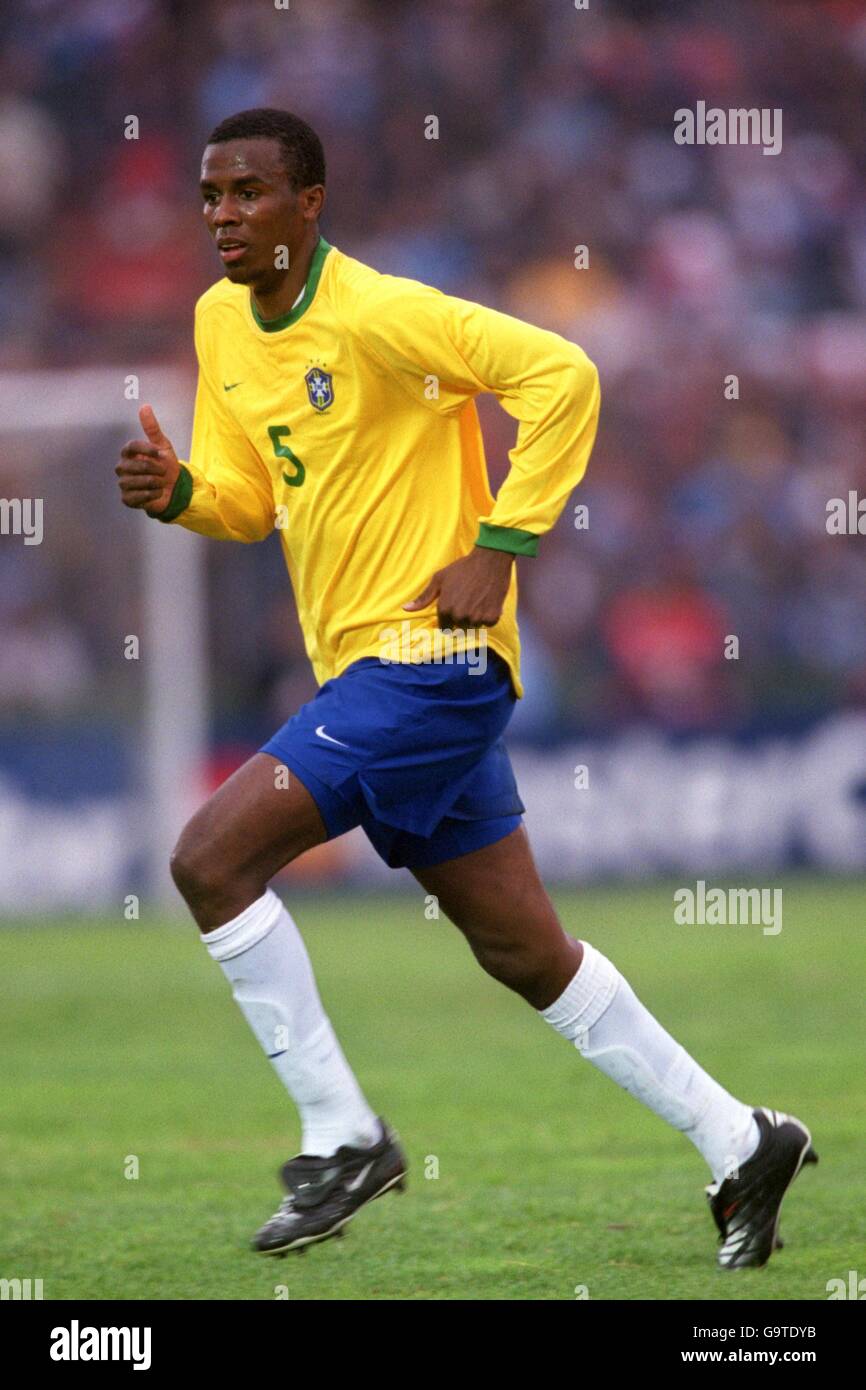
[[300, 1246]]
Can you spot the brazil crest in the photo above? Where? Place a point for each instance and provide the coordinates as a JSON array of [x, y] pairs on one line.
[[320, 388]]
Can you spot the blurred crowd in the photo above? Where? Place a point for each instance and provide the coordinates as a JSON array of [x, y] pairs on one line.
[[724, 302]]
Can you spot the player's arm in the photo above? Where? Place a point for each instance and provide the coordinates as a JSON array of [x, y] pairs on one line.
[[223, 490], [546, 383]]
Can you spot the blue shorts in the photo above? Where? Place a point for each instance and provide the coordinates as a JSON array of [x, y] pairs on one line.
[[413, 753]]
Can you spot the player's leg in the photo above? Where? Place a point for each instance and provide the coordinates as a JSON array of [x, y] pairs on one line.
[[259, 820], [256, 822], [496, 897]]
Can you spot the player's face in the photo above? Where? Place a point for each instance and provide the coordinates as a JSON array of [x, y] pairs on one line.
[[251, 209]]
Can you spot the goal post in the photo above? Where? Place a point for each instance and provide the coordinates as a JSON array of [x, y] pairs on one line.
[[171, 748]]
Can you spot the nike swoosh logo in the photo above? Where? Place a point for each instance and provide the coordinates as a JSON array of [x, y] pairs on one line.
[[320, 733], [356, 1182], [232, 386]]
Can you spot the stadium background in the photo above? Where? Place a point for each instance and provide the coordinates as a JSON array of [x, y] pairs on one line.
[[707, 518]]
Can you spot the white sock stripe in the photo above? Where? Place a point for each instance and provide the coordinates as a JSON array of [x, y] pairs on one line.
[[588, 995], [246, 930]]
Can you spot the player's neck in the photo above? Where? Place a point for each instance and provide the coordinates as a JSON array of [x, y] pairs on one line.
[[274, 301]]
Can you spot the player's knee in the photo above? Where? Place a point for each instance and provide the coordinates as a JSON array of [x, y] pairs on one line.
[[196, 872], [184, 870]]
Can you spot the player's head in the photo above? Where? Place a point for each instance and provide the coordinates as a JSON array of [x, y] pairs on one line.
[[263, 184]]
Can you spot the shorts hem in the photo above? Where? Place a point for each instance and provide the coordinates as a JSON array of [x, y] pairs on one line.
[[473, 835]]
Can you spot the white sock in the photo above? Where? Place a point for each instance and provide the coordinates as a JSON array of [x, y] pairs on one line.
[[264, 958], [600, 1013]]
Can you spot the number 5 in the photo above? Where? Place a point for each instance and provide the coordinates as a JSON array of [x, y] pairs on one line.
[[284, 452]]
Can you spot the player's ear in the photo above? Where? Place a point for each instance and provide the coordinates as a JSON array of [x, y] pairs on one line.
[[312, 200]]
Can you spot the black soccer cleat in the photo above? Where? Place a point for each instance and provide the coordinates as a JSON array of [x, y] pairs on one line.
[[746, 1208], [325, 1193]]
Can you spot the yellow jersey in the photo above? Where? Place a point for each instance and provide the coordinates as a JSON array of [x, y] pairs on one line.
[[349, 426]]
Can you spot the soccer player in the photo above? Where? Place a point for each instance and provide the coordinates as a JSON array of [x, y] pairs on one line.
[[336, 405]]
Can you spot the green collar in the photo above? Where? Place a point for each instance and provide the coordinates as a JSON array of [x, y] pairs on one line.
[[286, 320]]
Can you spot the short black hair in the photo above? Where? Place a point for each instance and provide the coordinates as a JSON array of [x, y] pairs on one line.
[[303, 156]]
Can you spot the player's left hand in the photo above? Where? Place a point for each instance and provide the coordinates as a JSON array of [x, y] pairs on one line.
[[471, 591]]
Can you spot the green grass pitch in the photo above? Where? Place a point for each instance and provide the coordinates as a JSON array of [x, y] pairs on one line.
[[122, 1039]]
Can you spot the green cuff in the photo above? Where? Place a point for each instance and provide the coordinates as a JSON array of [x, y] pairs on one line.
[[180, 498], [507, 538]]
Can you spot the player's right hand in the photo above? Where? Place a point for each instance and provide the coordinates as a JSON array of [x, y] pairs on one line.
[[148, 468]]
